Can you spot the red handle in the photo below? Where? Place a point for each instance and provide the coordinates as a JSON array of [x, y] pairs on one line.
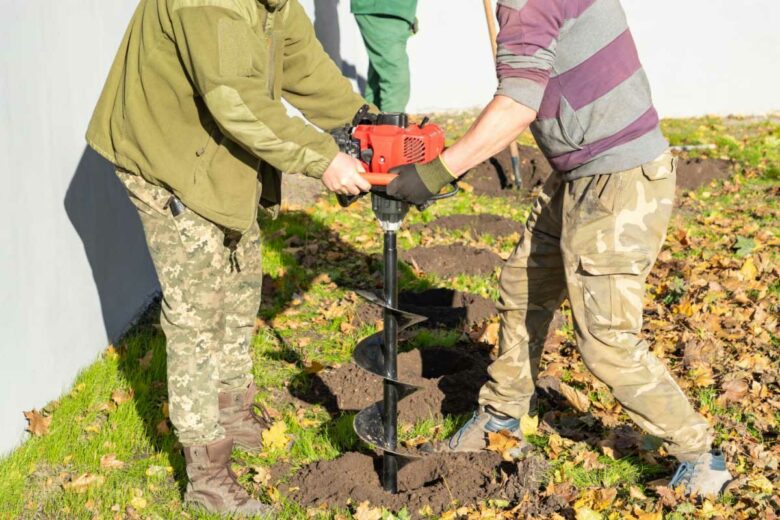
[[379, 179]]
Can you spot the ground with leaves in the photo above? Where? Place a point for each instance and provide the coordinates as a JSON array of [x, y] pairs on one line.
[[106, 450]]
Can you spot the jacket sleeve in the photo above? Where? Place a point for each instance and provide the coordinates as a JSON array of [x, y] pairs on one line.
[[312, 83], [529, 32], [229, 64]]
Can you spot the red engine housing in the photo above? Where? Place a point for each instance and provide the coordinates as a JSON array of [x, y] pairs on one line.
[[394, 146]]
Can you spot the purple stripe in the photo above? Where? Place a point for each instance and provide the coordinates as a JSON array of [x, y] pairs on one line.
[[646, 123], [536, 75], [535, 25], [594, 77]]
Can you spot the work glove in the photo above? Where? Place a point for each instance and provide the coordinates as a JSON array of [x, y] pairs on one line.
[[417, 183]]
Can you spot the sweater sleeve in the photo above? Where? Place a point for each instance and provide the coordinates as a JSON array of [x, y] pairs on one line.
[[529, 32], [229, 67]]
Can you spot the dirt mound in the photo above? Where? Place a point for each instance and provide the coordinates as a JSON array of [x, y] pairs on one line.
[[483, 224], [436, 481], [693, 173], [443, 308], [452, 260], [449, 380], [494, 176]]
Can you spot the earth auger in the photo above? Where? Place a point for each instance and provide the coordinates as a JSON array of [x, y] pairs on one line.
[[383, 142]]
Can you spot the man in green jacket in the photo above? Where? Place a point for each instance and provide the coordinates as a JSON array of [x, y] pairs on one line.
[[192, 117], [386, 25]]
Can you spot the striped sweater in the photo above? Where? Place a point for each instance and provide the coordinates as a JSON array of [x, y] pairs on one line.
[[576, 64]]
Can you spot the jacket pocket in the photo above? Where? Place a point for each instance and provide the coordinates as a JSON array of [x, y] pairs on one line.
[[612, 293], [570, 127]]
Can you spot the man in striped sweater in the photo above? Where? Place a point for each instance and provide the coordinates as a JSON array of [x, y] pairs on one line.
[[569, 69]]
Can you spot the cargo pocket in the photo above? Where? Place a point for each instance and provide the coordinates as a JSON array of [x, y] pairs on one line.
[[612, 292], [662, 168]]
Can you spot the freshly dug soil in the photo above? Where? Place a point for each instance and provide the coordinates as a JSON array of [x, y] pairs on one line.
[[449, 380], [482, 224], [494, 176], [693, 173], [452, 260], [435, 481], [443, 308]]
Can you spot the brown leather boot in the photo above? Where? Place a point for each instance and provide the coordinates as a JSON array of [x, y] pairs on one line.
[[242, 419], [213, 485]]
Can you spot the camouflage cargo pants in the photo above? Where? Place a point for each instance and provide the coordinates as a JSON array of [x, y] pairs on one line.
[[595, 240], [211, 284]]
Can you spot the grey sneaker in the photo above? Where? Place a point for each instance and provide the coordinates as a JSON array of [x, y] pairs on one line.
[[473, 437], [707, 475]]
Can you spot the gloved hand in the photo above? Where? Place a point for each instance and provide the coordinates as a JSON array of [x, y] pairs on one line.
[[417, 183]]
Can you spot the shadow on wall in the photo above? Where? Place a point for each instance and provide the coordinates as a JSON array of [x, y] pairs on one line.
[[107, 223], [326, 26]]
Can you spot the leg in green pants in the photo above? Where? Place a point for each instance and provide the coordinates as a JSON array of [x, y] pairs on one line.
[[388, 71]]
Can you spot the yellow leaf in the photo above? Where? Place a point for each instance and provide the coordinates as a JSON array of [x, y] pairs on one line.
[[276, 437], [490, 334], [586, 513], [529, 425], [748, 270], [366, 512], [658, 515], [761, 483], [577, 399], [138, 502], [636, 493]]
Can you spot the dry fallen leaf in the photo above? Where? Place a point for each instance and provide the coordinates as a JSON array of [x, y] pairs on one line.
[[38, 424], [529, 425], [83, 482], [122, 396], [734, 391], [163, 428], [110, 461], [313, 367], [577, 399], [366, 512], [502, 442], [145, 361]]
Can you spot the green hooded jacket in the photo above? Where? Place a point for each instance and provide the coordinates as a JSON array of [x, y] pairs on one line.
[[406, 9], [193, 102]]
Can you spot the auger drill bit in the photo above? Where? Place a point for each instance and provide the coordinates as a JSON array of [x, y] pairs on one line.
[[378, 424]]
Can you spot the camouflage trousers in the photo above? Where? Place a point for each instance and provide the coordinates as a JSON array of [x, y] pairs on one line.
[[211, 283], [594, 240]]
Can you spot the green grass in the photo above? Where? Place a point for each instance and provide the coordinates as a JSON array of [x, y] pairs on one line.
[[308, 318]]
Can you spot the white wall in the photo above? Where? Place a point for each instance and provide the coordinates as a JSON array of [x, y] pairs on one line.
[[702, 56], [73, 271]]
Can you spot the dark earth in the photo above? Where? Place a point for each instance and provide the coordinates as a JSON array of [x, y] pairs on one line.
[[452, 260], [693, 173], [438, 482], [448, 379], [443, 308], [494, 177]]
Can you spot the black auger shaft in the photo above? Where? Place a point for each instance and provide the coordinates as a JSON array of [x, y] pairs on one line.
[[390, 347]]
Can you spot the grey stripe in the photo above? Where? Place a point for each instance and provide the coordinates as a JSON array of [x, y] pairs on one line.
[[541, 59], [514, 4], [524, 91], [600, 24], [624, 157], [606, 116]]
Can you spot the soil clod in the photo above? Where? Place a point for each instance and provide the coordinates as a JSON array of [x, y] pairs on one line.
[[452, 260], [694, 173]]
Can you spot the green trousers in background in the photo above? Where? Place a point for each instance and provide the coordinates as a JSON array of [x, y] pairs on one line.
[[385, 38]]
